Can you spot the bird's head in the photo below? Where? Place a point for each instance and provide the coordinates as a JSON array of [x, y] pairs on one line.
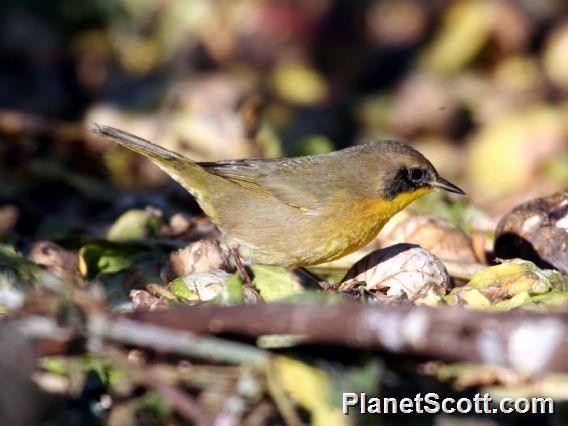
[[407, 171]]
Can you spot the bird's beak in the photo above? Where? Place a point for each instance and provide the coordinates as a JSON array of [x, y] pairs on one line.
[[442, 183]]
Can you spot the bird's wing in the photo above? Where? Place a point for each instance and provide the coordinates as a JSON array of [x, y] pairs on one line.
[[298, 183]]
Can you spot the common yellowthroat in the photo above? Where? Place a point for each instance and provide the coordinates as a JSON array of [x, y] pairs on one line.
[[296, 212]]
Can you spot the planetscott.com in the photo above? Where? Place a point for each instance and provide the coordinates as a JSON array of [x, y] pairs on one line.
[[432, 403]]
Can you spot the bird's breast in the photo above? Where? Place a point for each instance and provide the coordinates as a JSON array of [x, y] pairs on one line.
[[355, 223]]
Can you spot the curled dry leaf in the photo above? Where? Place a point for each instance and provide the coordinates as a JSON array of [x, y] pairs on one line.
[[435, 234], [143, 300], [55, 258], [401, 272], [538, 231], [200, 256], [509, 285], [201, 286]]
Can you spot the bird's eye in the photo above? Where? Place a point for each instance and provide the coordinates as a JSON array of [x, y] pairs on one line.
[[416, 174]]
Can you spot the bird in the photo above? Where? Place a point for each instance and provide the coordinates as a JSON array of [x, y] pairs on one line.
[[301, 211]]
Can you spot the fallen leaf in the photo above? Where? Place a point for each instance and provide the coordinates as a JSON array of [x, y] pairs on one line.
[[512, 284], [435, 234], [401, 272], [200, 286], [310, 387], [538, 231], [143, 300], [274, 283], [200, 256], [136, 224], [63, 263]]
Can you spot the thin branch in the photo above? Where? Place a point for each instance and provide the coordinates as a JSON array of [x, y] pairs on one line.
[[172, 340], [530, 342], [179, 400]]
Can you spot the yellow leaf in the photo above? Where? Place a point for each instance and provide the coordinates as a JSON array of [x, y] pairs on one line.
[[310, 387]]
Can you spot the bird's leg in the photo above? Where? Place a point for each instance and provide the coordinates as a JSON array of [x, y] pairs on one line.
[[241, 268], [248, 287], [320, 280]]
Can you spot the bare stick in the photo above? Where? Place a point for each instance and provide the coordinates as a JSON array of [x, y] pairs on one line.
[[186, 406], [172, 340], [530, 342]]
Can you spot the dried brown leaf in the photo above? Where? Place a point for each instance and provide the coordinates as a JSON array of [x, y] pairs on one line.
[[200, 256], [435, 234], [538, 231], [401, 272]]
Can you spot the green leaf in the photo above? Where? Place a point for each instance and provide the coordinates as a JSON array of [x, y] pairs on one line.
[[180, 290], [54, 365], [553, 298], [512, 284], [233, 293], [105, 369], [519, 299], [152, 402], [203, 286], [135, 224], [274, 283], [108, 257]]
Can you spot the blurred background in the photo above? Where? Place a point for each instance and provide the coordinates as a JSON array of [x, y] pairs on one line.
[[478, 86]]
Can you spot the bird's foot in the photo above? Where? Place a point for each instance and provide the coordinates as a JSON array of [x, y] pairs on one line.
[[251, 295], [358, 291], [327, 287]]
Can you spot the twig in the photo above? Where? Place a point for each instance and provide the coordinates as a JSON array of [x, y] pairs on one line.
[[173, 340], [56, 340], [137, 333], [182, 402], [530, 342]]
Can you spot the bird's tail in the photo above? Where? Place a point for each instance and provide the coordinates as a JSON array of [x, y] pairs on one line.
[[184, 170]]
